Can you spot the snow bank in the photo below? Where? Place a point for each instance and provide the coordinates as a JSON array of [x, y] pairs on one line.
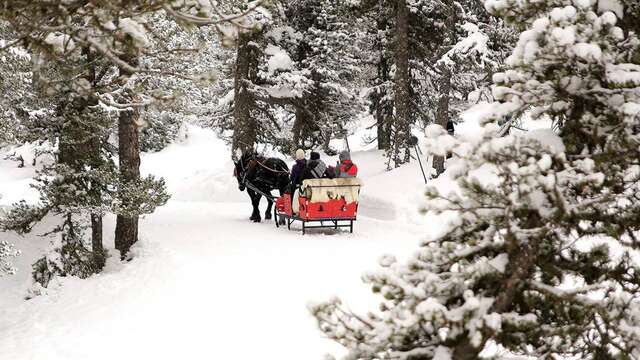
[[197, 169], [204, 279]]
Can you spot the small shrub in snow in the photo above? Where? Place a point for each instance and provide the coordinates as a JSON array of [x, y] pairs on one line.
[[161, 130], [68, 256], [7, 251]]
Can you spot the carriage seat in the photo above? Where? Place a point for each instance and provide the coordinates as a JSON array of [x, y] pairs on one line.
[[323, 190]]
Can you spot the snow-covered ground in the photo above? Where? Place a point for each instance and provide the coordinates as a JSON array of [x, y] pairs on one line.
[[205, 282]]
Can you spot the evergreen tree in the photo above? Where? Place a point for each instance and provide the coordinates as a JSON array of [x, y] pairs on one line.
[[453, 47], [90, 67], [20, 105], [325, 54], [293, 77], [528, 264]]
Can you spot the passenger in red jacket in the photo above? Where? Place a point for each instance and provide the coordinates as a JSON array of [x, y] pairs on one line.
[[346, 168]]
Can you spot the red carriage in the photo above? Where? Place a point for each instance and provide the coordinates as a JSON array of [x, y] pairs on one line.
[[328, 203]]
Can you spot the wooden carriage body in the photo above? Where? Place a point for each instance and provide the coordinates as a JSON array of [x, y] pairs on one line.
[[321, 203]]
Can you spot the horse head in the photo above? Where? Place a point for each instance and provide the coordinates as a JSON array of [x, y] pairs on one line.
[[241, 166]]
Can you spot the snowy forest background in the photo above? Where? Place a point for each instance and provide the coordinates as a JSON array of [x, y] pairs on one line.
[[126, 115]]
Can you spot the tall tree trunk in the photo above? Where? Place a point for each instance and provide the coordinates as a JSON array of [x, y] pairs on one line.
[[298, 127], [402, 122], [382, 111], [129, 152], [303, 126], [442, 114], [96, 241], [630, 21], [93, 148], [244, 126], [326, 142], [129, 161]]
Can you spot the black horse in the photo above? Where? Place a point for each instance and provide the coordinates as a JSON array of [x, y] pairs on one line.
[[264, 174]]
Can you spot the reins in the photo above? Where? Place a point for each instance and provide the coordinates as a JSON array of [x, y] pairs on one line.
[[270, 169], [246, 172], [249, 185]]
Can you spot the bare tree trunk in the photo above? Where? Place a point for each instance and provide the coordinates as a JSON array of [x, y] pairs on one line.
[[244, 126], [129, 160], [129, 152], [442, 114], [298, 127], [96, 241], [303, 126], [630, 22], [382, 111], [93, 155], [326, 143], [402, 124]]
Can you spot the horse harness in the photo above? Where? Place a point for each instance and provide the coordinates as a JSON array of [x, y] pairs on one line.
[[252, 164]]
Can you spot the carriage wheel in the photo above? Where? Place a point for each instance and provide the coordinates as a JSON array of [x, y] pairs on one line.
[[276, 217]]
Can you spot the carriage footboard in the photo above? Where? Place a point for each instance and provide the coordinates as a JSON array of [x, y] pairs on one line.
[[314, 223]]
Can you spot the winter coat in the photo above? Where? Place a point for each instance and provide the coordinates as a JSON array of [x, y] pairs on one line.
[[346, 169], [297, 171], [315, 169]]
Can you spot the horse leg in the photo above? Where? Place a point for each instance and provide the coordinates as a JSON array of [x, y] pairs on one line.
[[255, 202], [267, 215]]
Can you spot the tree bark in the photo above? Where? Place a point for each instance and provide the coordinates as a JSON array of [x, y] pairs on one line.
[[382, 111], [96, 241], [303, 127], [93, 147], [402, 122], [630, 21], [129, 152], [442, 114], [244, 126]]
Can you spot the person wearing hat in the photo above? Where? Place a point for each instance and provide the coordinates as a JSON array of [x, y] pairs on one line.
[[298, 168], [316, 168], [345, 167]]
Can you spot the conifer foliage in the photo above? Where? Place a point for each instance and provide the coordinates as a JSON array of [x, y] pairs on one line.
[[294, 77], [91, 64], [539, 259]]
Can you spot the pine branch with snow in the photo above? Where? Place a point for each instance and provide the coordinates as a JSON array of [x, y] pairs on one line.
[[540, 259]]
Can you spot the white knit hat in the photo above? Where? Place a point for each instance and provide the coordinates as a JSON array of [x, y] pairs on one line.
[[299, 154]]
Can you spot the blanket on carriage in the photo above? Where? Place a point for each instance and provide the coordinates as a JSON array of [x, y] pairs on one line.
[[322, 190]]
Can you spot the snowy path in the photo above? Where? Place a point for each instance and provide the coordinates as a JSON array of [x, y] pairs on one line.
[[205, 283], [214, 287]]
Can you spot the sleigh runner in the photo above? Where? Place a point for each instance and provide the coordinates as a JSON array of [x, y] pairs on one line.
[[333, 203]]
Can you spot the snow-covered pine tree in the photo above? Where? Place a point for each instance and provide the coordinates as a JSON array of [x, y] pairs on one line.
[[324, 51], [541, 257], [20, 106], [196, 55], [293, 77], [453, 48], [380, 93], [114, 33]]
